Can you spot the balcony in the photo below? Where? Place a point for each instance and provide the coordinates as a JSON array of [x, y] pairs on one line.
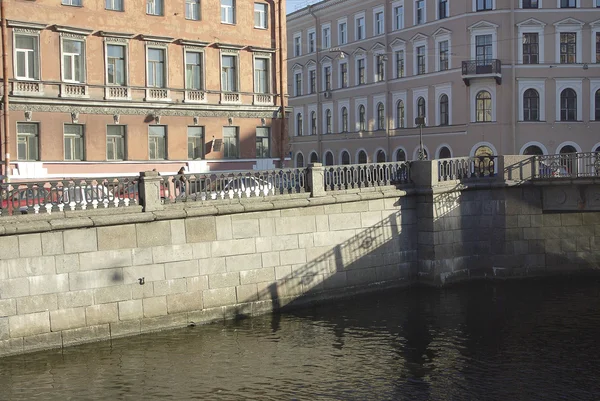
[[474, 69], [117, 93], [230, 98], [27, 88], [195, 96], [77, 90], [157, 94], [263, 99]]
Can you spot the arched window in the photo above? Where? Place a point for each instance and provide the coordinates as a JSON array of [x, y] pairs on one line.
[[362, 157], [531, 105], [299, 160], [313, 123], [400, 113], [421, 107], [299, 124], [597, 101], [380, 117], [381, 156], [597, 149], [329, 159], [328, 128], [484, 151], [362, 120], [400, 155], [344, 119], [568, 105], [533, 150], [484, 107], [445, 153], [484, 164], [444, 114], [314, 158], [567, 149], [345, 157]]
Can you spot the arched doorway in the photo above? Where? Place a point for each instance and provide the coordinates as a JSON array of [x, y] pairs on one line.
[[484, 163]]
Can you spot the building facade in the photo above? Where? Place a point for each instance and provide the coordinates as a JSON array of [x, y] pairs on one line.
[[115, 87], [488, 76]]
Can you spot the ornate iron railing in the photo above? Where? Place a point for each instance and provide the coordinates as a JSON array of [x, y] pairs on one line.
[[230, 185], [463, 168], [353, 176], [481, 67], [567, 165], [70, 194]]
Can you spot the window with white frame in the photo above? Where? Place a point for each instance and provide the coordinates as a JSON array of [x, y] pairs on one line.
[[313, 123], [263, 142], [531, 48], [398, 11], [597, 105], [444, 110], [326, 36], [443, 9], [531, 37], [343, 75], [156, 67], [71, 3], [298, 83], [261, 75], [568, 105], [311, 37], [420, 103], [421, 55], [420, 16], [359, 22], [530, 4], [569, 40], [297, 45], [192, 10], [444, 55], [420, 52], [378, 21], [400, 117], [380, 67], [399, 60], [312, 81], [483, 106], [116, 64], [596, 46], [230, 142], [568, 47], [421, 107], [531, 105], [342, 32], [299, 125], [228, 11], [157, 142], [114, 5], [345, 118], [362, 118], [195, 142], [28, 141], [73, 140], [261, 13], [483, 50], [328, 122], [484, 5], [380, 116], [361, 73], [327, 77], [194, 70], [531, 99], [483, 40], [154, 7], [115, 142], [73, 56], [27, 57], [568, 3], [229, 77]]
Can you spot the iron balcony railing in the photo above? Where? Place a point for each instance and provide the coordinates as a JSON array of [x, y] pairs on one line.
[[480, 67], [353, 176], [567, 165], [467, 168]]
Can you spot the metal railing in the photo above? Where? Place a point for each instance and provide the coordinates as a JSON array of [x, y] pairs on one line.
[[353, 176], [231, 185], [481, 67], [70, 194], [463, 168], [567, 165]]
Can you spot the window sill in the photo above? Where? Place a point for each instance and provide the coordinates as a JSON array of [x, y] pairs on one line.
[[569, 121], [155, 15], [72, 5], [263, 28], [110, 9], [192, 19], [227, 23]]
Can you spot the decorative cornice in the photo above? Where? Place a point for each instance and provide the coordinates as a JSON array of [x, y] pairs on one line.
[[229, 46], [121, 35], [26, 25], [73, 30], [162, 39], [111, 39], [70, 35], [259, 54], [196, 43], [262, 49]]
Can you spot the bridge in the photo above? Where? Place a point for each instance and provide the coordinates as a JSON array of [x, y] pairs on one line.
[[89, 260]]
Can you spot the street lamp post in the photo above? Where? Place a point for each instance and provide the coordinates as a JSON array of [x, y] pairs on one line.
[[421, 122]]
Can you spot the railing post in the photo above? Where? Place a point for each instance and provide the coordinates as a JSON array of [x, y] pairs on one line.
[[149, 188], [424, 173], [516, 167], [316, 179]]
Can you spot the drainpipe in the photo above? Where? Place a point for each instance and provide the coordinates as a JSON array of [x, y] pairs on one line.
[[282, 98], [317, 75], [514, 78], [5, 88]]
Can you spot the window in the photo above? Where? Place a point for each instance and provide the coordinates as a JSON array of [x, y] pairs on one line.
[[380, 117], [298, 84], [419, 12], [360, 63], [328, 128], [73, 67], [484, 107], [399, 63], [329, 159], [530, 4], [228, 74], [398, 17], [156, 68], [312, 80], [445, 153], [154, 7], [195, 142], [115, 65], [326, 37], [345, 115], [342, 33], [157, 140], [568, 48], [28, 141], [192, 10], [568, 3], [531, 48], [597, 3], [115, 142], [263, 140], [71, 2], [362, 157], [73, 135], [27, 57], [312, 41], [360, 28], [379, 27], [568, 105], [400, 155], [420, 60], [484, 5], [443, 9], [421, 107], [400, 114], [533, 150], [260, 15], [444, 53], [114, 5], [345, 158], [597, 108], [261, 75], [380, 157], [313, 123], [483, 49], [230, 142], [297, 46], [228, 11], [344, 75], [598, 46], [380, 67], [362, 118], [531, 105], [299, 124], [314, 158], [193, 71], [299, 160], [327, 74], [444, 114]]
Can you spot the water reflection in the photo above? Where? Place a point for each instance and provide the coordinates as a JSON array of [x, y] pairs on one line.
[[510, 341]]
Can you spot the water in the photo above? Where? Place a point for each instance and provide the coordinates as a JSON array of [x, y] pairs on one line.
[[527, 340]]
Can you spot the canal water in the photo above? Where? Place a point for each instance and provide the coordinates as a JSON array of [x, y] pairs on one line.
[[525, 340]]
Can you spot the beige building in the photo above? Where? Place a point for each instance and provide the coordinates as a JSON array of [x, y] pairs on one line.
[[115, 87], [499, 76]]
